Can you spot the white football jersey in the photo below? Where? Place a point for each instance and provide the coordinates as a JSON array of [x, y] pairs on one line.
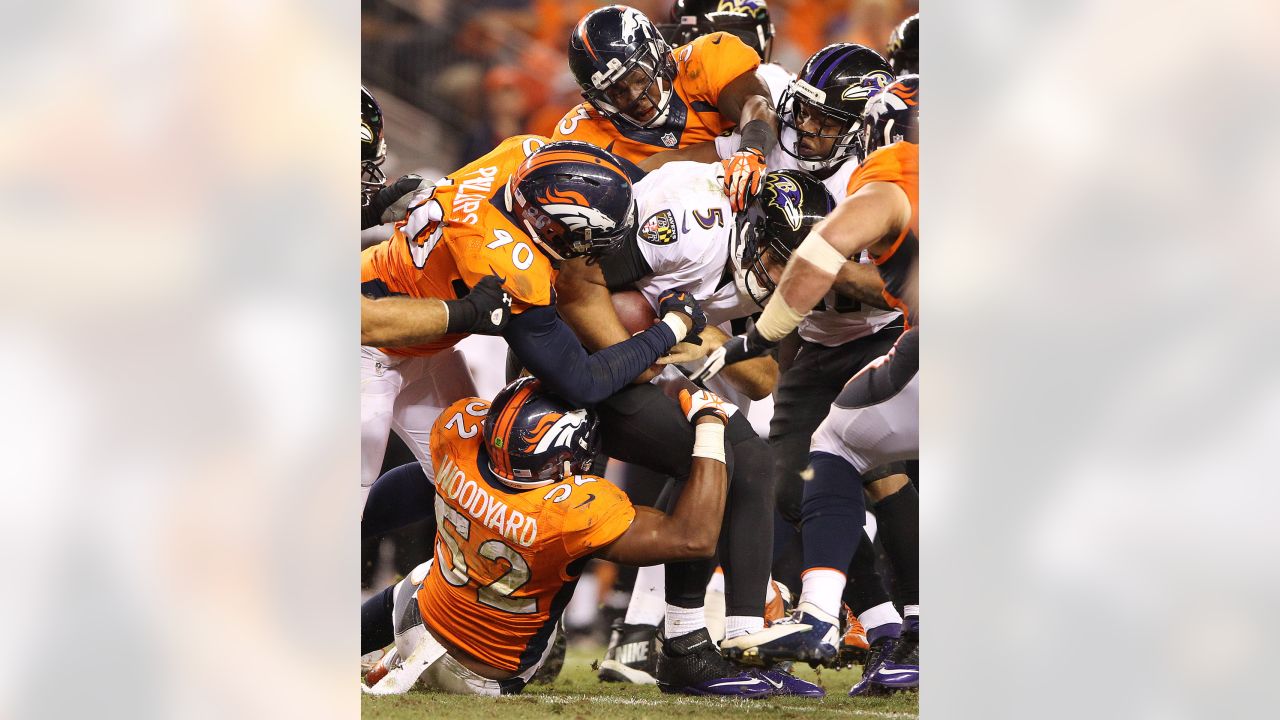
[[685, 229]]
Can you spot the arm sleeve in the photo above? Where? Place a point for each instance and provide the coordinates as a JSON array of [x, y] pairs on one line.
[[548, 348], [623, 268]]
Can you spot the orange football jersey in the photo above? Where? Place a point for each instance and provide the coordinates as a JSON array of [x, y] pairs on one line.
[[507, 560], [899, 164], [458, 232], [703, 68]]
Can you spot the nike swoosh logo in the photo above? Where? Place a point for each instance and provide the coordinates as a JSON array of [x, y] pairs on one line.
[[727, 683], [716, 41], [776, 685], [684, 225], [882, 671], [590, 497]]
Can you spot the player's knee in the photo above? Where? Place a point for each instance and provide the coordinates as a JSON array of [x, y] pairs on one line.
[[832, 487]]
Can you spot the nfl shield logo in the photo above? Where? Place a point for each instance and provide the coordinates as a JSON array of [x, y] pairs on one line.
[[669, 139]]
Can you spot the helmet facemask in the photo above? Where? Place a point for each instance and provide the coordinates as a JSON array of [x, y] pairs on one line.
[[804, 105], [750, 274], [651, 64]]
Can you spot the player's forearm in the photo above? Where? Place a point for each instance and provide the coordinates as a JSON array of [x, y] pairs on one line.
[[863, 283], [696, 517], [399, 322], [586, 307], [704, 152], [754, 378]]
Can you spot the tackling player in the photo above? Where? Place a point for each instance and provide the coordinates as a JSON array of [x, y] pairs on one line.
[[821, 115], [875, 419], [517, 213], [518, 518], [690, 240], [748, 20], [643, 97]]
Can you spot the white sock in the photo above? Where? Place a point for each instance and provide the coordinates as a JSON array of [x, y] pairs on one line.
[[648, 600], [910, 610], [735, 625], [822, 589], [716, 583], [770, 592], [882, 614], [682, 621]]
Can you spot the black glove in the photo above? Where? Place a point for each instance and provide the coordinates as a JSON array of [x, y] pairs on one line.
[[679, 301], [371, 214], [735, 350], [484, 311]]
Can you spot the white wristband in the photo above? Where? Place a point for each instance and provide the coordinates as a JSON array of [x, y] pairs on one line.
[[674, 322], [816, 250], [708, 441], [778, 319]]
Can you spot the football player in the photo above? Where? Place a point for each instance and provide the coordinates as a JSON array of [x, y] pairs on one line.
[[375, 195], [875, 419], [500, 225], [821, 114], [643, 97], [518, 518], [748, 20], [690, 240], [904, 47]]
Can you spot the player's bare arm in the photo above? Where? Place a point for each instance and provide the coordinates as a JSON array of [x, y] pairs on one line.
[[585, 305], [867, 220], [755, 378], [703, 152], [862, 282], [691, 530], [403, 321]]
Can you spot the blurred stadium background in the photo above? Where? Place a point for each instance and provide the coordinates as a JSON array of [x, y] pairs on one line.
[[453, 80]]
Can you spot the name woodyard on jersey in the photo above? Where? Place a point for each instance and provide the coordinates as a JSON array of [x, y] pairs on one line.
[[494, 514]]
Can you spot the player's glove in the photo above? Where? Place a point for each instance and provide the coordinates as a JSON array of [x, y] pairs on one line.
[[484, 311], [743, 173], [704, 402], [735, 350], [679, 301], [372, 213]]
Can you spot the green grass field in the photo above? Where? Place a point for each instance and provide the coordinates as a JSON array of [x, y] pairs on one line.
[[577, 694]]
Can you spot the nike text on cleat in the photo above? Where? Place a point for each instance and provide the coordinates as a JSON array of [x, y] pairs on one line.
[[631, 656]]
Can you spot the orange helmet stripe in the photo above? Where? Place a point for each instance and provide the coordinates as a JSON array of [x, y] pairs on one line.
[[586, 42], [541, 159], [502, 428]]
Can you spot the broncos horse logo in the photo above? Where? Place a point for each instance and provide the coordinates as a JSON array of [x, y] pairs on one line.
[[571, 208], [554, 430]]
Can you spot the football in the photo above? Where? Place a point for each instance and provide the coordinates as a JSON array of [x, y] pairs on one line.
[[633, 310]]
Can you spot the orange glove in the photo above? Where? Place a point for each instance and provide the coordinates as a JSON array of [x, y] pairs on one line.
[[704, 402], [743, 173]]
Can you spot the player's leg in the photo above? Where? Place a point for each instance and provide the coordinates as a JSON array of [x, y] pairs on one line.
[[874, 421], [434, 384], [380, 383], [398, 498], [633, 641], [641, 425]]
